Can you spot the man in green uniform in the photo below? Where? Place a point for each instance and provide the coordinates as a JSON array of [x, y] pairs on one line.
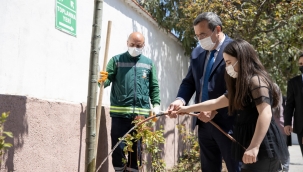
[[134, 86]]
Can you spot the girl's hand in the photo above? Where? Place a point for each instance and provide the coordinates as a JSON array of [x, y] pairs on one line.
[[182, 110], [250, 155], [207, 116]]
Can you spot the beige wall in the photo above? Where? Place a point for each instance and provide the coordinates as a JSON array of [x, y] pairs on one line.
[[48, 136], [44, 76], [171, 149]]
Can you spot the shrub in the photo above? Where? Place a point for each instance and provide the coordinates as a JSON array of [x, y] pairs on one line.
[[4, 134], [151, 140], [190, 159]]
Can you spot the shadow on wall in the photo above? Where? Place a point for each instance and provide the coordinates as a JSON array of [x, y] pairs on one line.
[[171, 69], [82, 124], [103, 142], [171, 66], [16, 123], [185, 120]]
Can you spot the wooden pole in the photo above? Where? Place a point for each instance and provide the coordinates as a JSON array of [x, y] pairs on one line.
[[98, 115]]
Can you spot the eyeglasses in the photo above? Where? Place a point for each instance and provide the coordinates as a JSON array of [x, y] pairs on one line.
[[200, 36]]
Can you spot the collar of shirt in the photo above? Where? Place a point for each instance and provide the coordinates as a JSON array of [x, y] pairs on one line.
[[215, 56], [217, 48]]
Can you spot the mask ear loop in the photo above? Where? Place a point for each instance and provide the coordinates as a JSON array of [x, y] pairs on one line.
[[235, 63], [239, 48], [213, 32]]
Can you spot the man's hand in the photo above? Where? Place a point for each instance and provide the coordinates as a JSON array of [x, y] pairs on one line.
[[287, 130], [207, 116], [173, 107], [155, 111], [139, 117], [103, 76]]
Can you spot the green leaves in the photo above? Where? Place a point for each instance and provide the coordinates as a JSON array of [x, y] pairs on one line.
[[273, 27], [9, 134], [151, 142], [189, 160], [4, 134]]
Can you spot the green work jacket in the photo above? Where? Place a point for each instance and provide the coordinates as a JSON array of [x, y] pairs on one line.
[[134, 84]]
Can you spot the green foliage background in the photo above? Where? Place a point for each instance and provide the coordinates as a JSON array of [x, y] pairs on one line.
[[273, 27]]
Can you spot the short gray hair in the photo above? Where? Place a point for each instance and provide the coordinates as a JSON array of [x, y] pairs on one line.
[[212, 19]]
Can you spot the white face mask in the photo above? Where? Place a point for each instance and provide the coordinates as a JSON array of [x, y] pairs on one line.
[[231, 71], [207, 43], [134, 52]]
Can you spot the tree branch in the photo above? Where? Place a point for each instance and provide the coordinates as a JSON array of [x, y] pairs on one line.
[[259, 12], [281, 24]]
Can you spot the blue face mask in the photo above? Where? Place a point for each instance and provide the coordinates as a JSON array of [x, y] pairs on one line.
[[301, 69]]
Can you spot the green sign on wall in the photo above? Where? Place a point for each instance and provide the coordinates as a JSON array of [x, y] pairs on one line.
[[66, 16]]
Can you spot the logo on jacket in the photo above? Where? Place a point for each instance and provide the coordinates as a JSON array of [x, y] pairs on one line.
[[144, 73]]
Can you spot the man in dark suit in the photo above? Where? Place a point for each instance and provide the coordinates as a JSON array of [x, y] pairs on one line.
[[206, 72], [294, 105]]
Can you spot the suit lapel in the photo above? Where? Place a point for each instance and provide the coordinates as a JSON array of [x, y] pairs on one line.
[[219, 57], [199, 57]]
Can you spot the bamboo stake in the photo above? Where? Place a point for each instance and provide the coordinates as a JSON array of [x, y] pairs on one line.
[[98, 115]]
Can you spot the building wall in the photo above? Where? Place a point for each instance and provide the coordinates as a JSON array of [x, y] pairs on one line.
[[48, 136], [44, 80], [38, 60]]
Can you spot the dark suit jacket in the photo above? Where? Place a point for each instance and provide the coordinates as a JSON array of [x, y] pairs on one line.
[[294, 104], [216, 86]]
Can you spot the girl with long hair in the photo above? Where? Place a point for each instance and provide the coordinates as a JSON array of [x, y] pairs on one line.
[[250, 97]]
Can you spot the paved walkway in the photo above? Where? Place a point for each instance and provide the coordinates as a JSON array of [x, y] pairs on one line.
[[296, 160]]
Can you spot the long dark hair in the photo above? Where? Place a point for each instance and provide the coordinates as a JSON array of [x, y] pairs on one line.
[[249, 66]]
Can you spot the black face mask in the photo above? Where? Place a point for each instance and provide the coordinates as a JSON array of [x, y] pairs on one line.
[[301, 69]]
